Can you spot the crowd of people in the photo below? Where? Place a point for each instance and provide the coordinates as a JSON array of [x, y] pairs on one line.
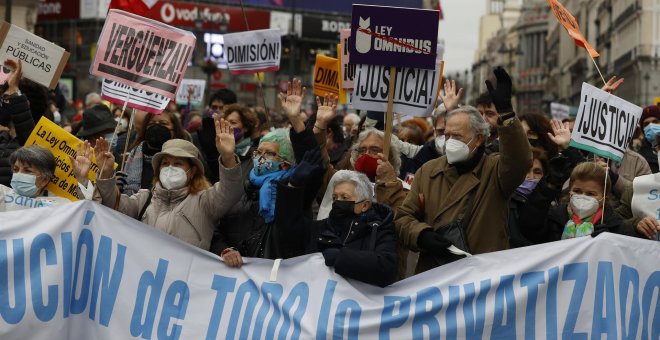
[[241, 181]]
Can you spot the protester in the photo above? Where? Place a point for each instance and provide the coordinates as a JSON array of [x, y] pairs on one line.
[[466, 189], [357, 238], [97, 122], [350, 125], [411, 134], [243, 121], [650, 124], [182, 202], [485, 105], [156, 130]]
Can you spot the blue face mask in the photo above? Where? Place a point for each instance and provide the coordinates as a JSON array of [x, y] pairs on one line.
[[24, 184], [650, 131], [527, 187], [264, 166]]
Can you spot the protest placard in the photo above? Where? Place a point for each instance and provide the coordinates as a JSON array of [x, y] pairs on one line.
[[118, 93], [571, 25], [415, 89], [42, 61], [84, 271], [646, 196], [142, 53], [197, 97], [387, 36], [326, 76], [62, 144], [559, 111], [253, 51], [342, 91], [347, 69], [605, 124]]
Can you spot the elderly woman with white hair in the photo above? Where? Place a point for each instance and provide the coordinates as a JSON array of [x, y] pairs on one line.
[[357, 238]]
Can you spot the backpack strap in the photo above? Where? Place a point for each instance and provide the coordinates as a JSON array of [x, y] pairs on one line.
[[145, 206]]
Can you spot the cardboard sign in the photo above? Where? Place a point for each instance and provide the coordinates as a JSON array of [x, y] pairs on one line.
[[117, 93], [394, 36], [326, 76], [342, 91], [646, 196], [605, 124], [142, 53], [253, 51], [571, 25], [197, 97], [42, 60], [414, 92], [559, 111], [347, 69], [62, 144]]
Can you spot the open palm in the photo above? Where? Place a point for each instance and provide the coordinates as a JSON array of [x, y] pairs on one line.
[[224, 137], [83, 161], [104, 158], [327, 108], [561, 134], [292, 100], [451, 97]]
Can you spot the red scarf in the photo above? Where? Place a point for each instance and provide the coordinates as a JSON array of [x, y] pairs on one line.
[[595, 217]]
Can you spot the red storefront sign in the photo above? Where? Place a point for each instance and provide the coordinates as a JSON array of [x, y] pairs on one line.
[[208, 17], [58, 10]]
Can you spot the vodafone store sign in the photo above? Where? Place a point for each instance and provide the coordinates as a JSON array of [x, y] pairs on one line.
[[207, 17]]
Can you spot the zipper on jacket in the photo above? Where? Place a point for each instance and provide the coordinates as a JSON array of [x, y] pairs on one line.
[[350, 229], [190, 223]]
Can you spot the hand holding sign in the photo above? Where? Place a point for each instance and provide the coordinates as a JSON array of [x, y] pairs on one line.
[[105, 158], [561, 134], [451, 98], [82, 163], [501, 95], [15, 76], [292, 100], [385, 170], [224, 142]]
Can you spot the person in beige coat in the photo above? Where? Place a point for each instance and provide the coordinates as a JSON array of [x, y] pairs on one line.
[[442, 187], [182, 203]]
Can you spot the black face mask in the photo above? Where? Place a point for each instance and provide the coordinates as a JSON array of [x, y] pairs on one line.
[[342, 210], [155, 136]]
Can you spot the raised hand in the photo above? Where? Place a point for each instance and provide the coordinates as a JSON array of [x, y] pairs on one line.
[[104, 158], [385, 170], [561, 134], [292, 100], [501, 95], [451, 98], [224, 142], [15, 76], [327, 109], [82, 163], [612, 85]]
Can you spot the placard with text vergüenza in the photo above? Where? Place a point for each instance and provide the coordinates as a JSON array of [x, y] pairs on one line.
[[605, 124], [41, 60], [394, 36], [142, 53]]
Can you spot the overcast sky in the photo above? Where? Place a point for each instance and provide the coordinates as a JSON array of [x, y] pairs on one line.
[[460, 30]]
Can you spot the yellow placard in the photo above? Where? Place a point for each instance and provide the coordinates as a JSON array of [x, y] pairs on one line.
[[342, 91], [62, 144], [326, 76], [656, 100]]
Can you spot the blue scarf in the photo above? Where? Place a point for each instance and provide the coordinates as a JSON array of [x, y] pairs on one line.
[[268, 191]]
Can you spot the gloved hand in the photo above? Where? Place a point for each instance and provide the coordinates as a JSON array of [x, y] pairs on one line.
[[330, 256], [430, 241], [311, 164], [559, 169], [122, 180], [501, 96]]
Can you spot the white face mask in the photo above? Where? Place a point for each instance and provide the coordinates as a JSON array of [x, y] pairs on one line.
[[123, 123], [456, 151], [440, 144], [172, 177], [583, 205]]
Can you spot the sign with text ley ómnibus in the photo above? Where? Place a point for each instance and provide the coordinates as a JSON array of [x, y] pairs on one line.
[[394, 36]]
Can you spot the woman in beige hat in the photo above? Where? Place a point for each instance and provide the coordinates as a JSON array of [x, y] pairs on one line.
[[182, 203]]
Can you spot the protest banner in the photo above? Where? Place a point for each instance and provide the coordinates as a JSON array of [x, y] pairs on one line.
[[84, 271], [646, 196], [567, 20], [197, 97], [253, 51], [559, 111], [384, 36], [42, 61], [117, 93], [347, 69], [62, 144], [605, 124], [326, 76], [142, 53], [415, 89]]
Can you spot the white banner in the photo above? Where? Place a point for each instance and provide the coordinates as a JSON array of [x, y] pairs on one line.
[[117, 93], [605, 124], [198, 86], [646, 196], [82, 271], [559, 111], [253, 51]]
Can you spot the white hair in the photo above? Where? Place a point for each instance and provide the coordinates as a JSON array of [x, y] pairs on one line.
[[477, 123], [363, 187], [352, 117], [92, 98], [394, 156]]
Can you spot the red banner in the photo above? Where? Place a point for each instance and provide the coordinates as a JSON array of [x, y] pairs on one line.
[[208, 17]]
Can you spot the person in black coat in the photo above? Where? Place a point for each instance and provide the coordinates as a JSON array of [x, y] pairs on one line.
[[357, 238]]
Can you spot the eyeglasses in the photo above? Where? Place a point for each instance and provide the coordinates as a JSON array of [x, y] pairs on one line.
[[372, 150], [265, 154]]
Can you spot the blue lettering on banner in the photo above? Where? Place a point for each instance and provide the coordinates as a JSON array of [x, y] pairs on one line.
[[652, 285], [531, 281], [505, 302], [223, 286], [299, 293], [425, 317], [44, 312], [629, 277], [475, 317], [604, 294], [390, 320], [653, 195], [12, 315], [324, 313], [250, 289], [577, 272], [346, 307], [271, 294]]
